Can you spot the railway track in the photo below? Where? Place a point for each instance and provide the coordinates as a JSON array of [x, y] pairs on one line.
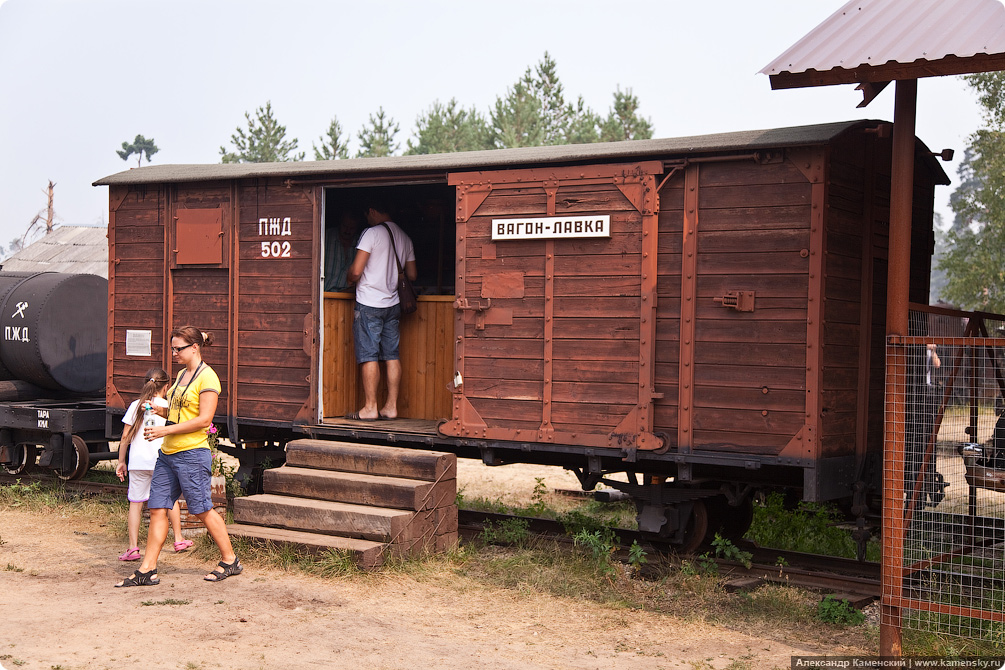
[[858, 582], [806, 570]]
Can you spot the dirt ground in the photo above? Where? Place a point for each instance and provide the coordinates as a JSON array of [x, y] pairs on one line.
[[60, 611]]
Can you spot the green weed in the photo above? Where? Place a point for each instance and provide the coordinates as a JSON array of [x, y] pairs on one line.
[[832, 610], [602, 544], [168, 601], [730, 552], [13, 568], [810, 528], [507, 531], [636, 555]]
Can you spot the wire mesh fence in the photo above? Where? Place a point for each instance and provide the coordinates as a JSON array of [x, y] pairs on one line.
[[944, 478]]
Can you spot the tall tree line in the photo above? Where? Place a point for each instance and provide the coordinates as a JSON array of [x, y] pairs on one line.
[[971, 255], [533, 112]]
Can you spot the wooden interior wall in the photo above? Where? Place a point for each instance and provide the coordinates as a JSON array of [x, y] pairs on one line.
[[426, 351], [274, 301], [750, 367], [595, 327], [136, 284]]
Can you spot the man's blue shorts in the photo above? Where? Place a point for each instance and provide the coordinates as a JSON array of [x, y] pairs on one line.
[[187, 473], [375, 333]]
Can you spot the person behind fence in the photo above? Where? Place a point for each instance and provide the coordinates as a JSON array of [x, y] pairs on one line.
[[142, 455], [926, 399], [184, 466], [376, 315]]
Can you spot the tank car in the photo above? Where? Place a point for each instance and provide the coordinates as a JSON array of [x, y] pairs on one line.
[[690, 320], [53, 362]]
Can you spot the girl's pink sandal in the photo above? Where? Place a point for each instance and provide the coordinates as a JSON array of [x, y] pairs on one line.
[[182, 545], [131, 555]]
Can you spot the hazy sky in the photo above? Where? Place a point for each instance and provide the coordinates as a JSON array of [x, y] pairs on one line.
[[78, 77]]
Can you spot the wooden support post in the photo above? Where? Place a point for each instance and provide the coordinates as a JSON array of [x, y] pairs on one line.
[[898, 290]]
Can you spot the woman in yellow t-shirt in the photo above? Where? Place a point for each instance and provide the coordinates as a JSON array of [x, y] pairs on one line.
[[185, 463]]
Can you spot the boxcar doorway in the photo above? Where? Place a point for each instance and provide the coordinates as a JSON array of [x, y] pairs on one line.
[[426, 213]]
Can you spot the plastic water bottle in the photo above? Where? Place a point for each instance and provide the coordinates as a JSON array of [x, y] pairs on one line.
[[148, 416]]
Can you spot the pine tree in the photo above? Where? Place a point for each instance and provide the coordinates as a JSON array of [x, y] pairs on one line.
[[333, 146], [517, 120], [555, 113], [623, 121], [583, 125], [264, 142], [975, 257], [448, 128], [139, 146], [378, 139]]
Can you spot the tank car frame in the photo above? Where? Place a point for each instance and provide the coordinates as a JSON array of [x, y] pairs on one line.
[[702, 316], [52, 359]]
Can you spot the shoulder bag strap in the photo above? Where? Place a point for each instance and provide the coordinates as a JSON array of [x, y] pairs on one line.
[[393, 248]]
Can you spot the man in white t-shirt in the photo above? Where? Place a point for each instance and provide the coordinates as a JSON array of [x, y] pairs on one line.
[[376, 315]]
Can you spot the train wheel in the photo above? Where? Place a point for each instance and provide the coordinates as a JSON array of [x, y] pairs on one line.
[[82, 461], [24, 458], [728, 521], [696, 529]]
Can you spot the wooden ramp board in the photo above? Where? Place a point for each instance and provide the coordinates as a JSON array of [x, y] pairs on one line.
[[365, 553], [359, 488], [372, 459], [401, 425]]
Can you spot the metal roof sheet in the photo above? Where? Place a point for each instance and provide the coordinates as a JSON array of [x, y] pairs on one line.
[[873, 33], [72, 249], [749, 140]]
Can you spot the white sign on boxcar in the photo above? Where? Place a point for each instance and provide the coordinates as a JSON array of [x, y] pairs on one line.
[[552, 227]]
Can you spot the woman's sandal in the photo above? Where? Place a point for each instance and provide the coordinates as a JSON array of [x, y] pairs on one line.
[[182, 545], [131, 555], [229, 570], [141, 579]]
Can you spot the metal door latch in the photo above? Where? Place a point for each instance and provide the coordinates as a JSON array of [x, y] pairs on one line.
[[741, 301]]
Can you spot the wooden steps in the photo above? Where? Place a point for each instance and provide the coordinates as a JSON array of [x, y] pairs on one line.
[[370, 501]]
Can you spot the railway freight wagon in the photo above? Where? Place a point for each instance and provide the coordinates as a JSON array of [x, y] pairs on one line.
[[52, 372], [704, 314]]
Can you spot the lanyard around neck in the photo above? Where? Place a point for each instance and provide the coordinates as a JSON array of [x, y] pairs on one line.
[[175, 389]]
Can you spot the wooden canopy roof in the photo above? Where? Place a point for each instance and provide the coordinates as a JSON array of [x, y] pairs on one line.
[[877, 41]]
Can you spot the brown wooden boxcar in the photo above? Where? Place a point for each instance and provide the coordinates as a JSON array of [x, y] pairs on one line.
[[704, 313]]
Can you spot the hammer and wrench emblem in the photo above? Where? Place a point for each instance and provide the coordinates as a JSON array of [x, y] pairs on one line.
[[21, 306]]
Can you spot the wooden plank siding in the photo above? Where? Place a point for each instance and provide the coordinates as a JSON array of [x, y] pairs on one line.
[[753, 234], [135, 286], [275, 299], [200, 294], [668, 285], [566, 356]]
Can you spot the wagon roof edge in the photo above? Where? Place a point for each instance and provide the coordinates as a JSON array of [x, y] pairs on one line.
[[501, 158]]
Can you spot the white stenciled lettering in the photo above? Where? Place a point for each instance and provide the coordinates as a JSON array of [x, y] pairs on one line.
[[287, 227], [262, 226], [43, 423], [43, 414], [274, 226], [16, 333]]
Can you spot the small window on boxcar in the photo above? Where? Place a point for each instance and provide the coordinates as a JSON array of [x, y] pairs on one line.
[[199, 236]]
